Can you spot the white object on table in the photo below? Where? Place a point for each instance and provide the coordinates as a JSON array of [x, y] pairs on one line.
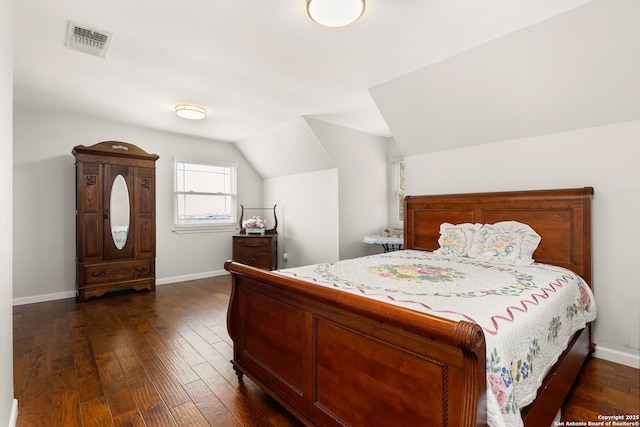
[[388, 243]]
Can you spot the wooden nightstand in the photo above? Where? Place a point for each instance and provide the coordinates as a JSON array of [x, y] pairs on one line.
[[256, 250]]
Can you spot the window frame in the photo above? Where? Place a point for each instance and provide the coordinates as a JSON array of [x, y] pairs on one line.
[[396, 166], [207, 226]]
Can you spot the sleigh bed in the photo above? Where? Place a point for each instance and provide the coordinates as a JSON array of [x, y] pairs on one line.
[[359, 358]]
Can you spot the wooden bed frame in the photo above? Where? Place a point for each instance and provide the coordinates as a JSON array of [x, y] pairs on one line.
[[333, 358]]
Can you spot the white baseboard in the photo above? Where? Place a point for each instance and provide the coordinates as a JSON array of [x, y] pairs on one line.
[[616, 356], [43, 298], [188, 277], [72, 294], [14, 414]]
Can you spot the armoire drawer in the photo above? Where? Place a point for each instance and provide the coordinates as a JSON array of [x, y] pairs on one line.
[[116, 271]]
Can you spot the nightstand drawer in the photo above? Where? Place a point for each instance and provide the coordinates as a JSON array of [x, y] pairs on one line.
[[263, 260], [252, 242], [256, 250]]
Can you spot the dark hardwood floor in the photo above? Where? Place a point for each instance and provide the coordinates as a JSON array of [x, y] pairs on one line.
[[162, 358]]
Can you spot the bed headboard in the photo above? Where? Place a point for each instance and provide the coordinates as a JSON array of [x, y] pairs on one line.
[[562, 218]]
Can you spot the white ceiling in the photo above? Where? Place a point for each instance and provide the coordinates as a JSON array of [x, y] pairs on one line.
[[254, 64]]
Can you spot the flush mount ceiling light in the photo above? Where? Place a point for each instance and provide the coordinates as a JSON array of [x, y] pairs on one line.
[[335, 13], [191, 112]]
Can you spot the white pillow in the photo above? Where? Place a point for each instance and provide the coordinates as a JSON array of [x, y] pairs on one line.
[[509, 242], [456, 240]]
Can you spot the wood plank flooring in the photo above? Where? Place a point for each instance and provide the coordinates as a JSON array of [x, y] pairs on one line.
[[162, 359]]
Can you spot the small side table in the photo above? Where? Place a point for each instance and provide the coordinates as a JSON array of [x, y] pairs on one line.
[[389, 244]]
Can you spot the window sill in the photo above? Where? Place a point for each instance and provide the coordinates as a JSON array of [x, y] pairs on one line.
[[209, 228]]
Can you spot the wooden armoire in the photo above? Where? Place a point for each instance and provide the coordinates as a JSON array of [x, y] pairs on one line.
[[115, 218]]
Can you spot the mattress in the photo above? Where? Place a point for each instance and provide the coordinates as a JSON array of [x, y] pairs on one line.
[[528, 313]]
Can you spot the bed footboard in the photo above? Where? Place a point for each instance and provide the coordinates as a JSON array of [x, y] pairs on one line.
[[338, 359]]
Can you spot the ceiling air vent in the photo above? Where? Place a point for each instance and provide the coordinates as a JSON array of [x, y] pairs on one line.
[[88, 40]]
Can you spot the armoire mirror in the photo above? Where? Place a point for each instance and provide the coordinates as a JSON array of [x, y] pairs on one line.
[[119, 211]]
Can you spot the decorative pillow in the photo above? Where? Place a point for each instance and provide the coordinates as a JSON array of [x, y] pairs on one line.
[[456, 239], [508, 242]]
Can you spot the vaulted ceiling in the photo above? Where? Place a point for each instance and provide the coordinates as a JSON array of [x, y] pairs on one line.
[[576, 70], [431, 74]]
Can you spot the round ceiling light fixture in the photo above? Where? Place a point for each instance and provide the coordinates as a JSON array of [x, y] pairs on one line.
[[191, 112], [335, 13]]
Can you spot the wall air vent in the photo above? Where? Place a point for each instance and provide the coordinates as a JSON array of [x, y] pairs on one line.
[[88, 40]]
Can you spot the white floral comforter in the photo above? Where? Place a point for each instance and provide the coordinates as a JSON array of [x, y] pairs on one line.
[[528, 313]]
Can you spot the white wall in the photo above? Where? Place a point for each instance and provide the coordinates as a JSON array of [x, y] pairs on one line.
[[362, 184], [307, 215], [8, 410], [324, 215], [289, 148], [44, 202], [605, 158]]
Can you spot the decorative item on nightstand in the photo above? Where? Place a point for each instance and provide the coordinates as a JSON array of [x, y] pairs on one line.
[[255, 225]]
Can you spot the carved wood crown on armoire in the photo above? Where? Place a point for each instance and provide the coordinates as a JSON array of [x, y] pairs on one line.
[[115, 218]]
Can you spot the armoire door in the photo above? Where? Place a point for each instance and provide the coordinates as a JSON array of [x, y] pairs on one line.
[[89, 212], [119, 213], [145, 215]]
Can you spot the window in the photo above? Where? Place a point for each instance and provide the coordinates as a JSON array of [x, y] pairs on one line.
[[205, 195], [397, 193]]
